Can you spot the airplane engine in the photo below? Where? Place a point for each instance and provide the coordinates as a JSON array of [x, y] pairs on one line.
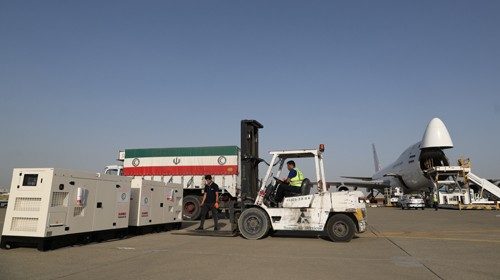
[[342, 188]]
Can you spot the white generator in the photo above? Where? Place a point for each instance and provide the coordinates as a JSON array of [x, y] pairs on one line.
[[155, 206], [50, 208]]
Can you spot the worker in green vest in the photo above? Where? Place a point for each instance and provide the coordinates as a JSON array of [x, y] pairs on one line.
[[292, 183], [435, 201]]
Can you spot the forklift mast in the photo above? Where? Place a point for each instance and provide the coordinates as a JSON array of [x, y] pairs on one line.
[[250, 159]]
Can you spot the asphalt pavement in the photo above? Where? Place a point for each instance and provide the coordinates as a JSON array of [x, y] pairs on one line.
[[409, 244]]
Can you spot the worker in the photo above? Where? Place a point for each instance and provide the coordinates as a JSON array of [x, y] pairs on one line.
[[209, 202], [292, 183], [435, 201]]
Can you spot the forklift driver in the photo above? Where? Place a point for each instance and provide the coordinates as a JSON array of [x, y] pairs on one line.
[[290, 184]]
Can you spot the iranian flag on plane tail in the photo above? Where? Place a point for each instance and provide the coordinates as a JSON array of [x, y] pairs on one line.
[[220, 160]]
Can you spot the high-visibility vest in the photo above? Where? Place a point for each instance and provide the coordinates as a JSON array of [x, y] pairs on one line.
[[297, 180]]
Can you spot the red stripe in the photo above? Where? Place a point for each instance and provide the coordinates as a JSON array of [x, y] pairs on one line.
[[181, 170]]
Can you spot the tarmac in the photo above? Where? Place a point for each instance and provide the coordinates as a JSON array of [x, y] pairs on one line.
[[399, 244]]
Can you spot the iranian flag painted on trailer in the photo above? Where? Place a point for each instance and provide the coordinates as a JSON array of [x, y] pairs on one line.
[[222, 160]]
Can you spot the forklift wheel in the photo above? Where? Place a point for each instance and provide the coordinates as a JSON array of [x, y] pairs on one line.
[[340, 228], [253, 223]]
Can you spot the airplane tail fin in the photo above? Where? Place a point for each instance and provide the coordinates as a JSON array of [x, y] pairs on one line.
[[376, 162]]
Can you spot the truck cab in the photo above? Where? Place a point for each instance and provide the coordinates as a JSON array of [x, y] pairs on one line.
[[114, 170]]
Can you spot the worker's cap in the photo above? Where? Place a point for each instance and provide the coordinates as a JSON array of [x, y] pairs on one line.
[[208, 177]]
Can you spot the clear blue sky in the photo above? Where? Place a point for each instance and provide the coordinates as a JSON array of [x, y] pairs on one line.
[[80, 80]]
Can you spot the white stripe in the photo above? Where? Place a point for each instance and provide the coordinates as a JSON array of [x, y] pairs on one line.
[[181, 161]]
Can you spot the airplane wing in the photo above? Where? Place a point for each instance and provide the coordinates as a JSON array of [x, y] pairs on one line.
[[377, 185], [358, 178]]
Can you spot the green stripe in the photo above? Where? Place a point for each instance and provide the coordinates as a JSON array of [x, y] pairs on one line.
[[182, 152]]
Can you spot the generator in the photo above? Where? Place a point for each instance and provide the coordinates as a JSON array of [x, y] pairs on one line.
[[51, 208], [154, 206]]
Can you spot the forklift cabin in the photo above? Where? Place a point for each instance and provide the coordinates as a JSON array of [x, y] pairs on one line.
[[271, 181]]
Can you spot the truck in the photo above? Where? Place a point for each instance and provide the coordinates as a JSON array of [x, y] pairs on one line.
[[233, 168]]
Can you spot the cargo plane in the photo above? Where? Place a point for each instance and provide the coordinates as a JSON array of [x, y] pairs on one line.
[[408, 171]]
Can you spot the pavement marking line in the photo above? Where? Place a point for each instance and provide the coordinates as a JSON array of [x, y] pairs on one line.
[[435, 235], [438, 238], [447, 239], [98, 266], [378, 233], [143, 253], [274, 257], [406, 261], [72, 274], [444, 231], [125, 248]]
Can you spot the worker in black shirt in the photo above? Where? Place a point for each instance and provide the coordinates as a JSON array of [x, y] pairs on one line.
[[210, 201]]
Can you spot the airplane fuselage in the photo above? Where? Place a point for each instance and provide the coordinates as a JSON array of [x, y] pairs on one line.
[[407, 172]]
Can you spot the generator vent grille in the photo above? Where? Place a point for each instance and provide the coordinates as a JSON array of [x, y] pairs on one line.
[[27, 204], [78, 211], [59, 199], [24, 224]]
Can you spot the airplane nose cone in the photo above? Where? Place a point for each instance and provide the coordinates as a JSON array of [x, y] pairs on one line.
[[436, 136]]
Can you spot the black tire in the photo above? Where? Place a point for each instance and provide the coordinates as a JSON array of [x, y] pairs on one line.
[[254, 223], [191, 208], [340, 228]]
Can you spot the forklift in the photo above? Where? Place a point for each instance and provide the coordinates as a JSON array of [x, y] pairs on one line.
[[254, 215], [340, 214]]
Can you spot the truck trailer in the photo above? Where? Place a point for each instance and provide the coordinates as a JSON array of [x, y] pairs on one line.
[[233, 168]]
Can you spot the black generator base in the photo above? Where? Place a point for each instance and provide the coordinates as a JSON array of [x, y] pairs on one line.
[[139, 230], [55, 242]]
